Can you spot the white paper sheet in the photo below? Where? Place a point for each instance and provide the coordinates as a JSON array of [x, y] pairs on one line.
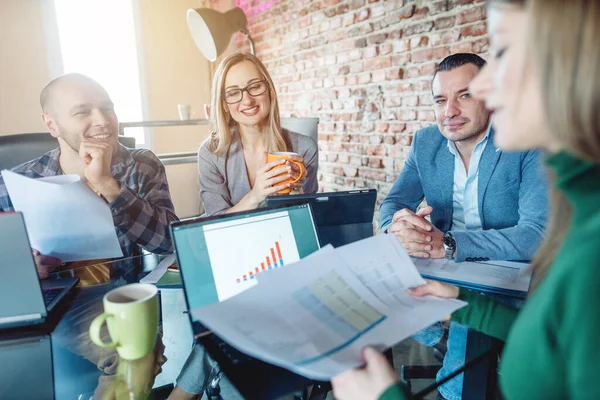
[[64, 217], [315, 316], [505, 275], [160, 269]]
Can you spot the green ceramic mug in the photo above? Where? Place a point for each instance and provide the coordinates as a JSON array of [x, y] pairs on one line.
[[131, 314]]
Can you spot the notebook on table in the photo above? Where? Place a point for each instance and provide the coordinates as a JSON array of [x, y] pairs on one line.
[[506, 278]]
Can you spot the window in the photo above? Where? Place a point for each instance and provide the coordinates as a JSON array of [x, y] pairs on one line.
[[97, 38]]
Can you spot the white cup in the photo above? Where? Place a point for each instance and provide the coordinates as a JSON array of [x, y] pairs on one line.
[[185, 111]]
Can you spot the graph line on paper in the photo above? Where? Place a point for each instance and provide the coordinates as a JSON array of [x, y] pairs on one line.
[[273, 259], [332, 301]]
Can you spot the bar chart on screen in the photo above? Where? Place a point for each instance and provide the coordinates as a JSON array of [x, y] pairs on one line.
[[274, 259], [238, 252]]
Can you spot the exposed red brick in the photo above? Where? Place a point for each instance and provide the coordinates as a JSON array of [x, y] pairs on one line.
[[422, 55], [348, 19], [419, 42], [362, 42], [366, 28], [401, 60], [370, 52], [410, 101], [378, 63], [394, 73], [421, 27], [464, 47], [444, 22], [426, 116], [350, 171], [354, 4], [376, 175], [407, 11], [474, 30], [471, 15], [428, 69], [377, 39], [364, 78], [397, 127], [480, 46], [375, 163], [378, 76], [362, 15]]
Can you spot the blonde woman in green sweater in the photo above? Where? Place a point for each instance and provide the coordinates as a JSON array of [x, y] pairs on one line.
[[543, 84]]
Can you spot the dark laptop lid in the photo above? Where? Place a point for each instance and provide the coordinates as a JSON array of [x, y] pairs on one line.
[[341, 217], [220, 256]]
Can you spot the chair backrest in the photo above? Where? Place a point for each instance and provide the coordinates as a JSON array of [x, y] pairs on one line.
[[18, 149], [305, 126]]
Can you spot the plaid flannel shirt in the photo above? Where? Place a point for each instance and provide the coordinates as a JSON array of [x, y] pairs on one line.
[[141, 211]]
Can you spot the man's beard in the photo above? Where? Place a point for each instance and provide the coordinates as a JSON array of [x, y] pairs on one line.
[[468, 136], [72, 140]]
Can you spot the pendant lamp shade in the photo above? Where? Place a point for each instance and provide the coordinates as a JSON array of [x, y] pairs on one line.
[[212, 30]]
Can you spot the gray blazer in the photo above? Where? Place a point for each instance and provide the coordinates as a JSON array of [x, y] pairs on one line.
[[224, 179], [512, 193]]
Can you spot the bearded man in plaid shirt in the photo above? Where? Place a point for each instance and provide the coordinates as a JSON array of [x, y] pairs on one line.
[[80, 114]]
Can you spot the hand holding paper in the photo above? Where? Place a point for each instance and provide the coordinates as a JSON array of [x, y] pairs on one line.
[[65, 219], [315, 316]]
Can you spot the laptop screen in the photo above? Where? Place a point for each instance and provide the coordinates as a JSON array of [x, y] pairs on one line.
[[220, 257]]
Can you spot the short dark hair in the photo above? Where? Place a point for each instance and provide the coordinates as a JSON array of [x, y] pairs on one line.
[[458, 60]]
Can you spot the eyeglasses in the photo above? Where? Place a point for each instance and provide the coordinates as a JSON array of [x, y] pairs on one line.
[[254, 89]]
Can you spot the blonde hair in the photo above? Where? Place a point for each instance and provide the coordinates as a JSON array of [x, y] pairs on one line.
[[277, 139], [562, 38]]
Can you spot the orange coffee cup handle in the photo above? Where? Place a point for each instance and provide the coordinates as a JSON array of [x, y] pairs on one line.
[[302, 171]]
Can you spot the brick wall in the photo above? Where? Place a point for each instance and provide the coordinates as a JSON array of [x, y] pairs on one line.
[[364, 67]]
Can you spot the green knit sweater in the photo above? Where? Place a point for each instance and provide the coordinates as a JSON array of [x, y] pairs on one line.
[[552, 344]]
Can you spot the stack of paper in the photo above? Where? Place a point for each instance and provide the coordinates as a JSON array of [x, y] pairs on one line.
[[500, 277], [64, 217], [315, 316]]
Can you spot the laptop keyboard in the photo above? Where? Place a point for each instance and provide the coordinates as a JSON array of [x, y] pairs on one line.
[[236, 356], [51, 294]]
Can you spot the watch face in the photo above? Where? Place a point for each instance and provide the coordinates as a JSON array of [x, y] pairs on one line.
[[448, 240]]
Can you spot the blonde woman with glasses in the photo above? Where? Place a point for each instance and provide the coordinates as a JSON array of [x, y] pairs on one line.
[[542, 84], [233, 170]]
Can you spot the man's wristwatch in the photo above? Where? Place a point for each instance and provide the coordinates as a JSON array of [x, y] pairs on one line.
[[449, 245]]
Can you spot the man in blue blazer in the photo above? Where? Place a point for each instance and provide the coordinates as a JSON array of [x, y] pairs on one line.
[[483, 203]]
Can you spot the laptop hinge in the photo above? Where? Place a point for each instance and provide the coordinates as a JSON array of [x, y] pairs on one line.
[[20, 318]]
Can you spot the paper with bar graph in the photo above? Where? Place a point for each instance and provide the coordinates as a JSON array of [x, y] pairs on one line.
[[315, 316], [262, 246]]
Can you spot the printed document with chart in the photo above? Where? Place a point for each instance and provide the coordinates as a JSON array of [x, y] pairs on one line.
[[314, 316]]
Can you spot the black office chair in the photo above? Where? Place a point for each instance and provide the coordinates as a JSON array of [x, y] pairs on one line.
[[18, 149]]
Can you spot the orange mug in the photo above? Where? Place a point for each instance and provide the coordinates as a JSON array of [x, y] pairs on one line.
[[286, 156]]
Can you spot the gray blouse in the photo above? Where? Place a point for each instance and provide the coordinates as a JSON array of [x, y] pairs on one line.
[[224, 179]]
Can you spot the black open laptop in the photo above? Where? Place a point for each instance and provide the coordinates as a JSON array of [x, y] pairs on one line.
[[220, 257], [341, 217]]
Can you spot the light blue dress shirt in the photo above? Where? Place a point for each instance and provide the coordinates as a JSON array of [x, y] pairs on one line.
[[465, 209]]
